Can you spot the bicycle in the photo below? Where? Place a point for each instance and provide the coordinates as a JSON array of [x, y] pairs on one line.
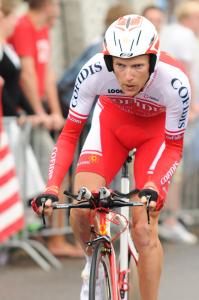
[[115, 276]]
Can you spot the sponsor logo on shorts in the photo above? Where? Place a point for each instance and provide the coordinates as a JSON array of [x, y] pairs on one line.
[[93, 159], [89, 160]]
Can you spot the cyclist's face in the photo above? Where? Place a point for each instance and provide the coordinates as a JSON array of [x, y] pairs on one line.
[[131, 73]]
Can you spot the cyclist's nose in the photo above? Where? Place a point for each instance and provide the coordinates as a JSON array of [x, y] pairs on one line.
[[129, 74]]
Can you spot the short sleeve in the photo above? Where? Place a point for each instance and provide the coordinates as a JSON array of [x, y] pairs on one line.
[[23, 39]]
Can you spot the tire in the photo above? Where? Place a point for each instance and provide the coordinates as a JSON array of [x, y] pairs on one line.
[[100, 259]]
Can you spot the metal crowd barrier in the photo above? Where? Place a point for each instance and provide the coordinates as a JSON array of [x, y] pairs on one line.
[[31, 183]]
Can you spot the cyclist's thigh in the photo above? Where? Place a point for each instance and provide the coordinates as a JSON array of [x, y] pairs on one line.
[[102, 152], [145, 157]]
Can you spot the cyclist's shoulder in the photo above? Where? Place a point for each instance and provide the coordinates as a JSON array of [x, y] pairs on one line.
[[96, 59], [94, 71], [96, 65], [169, 68], [171, 62]]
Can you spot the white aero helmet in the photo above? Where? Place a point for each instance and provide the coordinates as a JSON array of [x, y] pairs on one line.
[[131, 36]]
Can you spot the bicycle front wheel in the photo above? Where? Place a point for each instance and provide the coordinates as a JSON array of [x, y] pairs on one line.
[[100, 286]]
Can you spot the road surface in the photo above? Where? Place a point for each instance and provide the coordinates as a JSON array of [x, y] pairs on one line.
[[22, 279]]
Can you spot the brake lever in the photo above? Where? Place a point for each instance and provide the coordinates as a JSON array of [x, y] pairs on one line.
[[148, 208], [43, 215]]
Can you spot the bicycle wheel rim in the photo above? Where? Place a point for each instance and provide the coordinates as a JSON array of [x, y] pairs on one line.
[[100, 265]]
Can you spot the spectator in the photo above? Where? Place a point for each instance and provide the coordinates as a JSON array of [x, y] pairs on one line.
[[170, 227], [11, 208], [156, 15], [186, 28], [31, 42], [13, 102], [37, 78], [13, 99]]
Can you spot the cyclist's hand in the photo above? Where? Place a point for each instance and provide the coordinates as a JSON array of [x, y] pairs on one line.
[[43, 203], [150, 195]]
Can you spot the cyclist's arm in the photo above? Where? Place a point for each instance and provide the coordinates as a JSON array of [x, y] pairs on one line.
[[84, 94], [165, 164], [159, 176], [63, 152]]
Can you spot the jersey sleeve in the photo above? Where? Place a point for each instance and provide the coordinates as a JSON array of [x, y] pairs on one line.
[[84, 94], [167, 160], [87, 86], [63, 152], [23, 46]]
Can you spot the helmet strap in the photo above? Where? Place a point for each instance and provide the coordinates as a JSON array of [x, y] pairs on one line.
[[152, 62], [109, 62]]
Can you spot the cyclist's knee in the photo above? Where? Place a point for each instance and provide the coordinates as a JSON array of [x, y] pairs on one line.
[[80, 215], [145, 236]]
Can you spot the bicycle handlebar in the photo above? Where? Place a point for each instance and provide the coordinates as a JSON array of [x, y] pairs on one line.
[[104, 198], [86, 204]]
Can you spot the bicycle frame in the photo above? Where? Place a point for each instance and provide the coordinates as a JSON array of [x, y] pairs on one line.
[[102, 207], [123, 268], [104, 235], [120, 282], [105, 230], [126, 243]]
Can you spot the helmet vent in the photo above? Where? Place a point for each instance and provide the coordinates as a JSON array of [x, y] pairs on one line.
[[153, 38], [120, 45], [114, 38], [132, 44], [128, 23], [139, 37]]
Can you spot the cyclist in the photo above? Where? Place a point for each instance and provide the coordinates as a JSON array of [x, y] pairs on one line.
[[144, 98]]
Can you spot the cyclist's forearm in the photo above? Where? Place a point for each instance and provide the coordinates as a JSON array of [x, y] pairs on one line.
[[59, 164], [62, 155], [166, 166]]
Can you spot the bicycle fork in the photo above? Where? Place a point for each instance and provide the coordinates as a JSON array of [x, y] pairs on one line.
[[104, 236]]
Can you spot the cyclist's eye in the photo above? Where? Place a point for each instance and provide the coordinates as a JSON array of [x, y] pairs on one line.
[[138, 66], [120, 66]]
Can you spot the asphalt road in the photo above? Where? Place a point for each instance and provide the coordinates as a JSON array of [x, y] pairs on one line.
[[22, 279]]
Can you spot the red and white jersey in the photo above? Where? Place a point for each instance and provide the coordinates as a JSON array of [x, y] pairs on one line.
[[167, 90], [167, 94]]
